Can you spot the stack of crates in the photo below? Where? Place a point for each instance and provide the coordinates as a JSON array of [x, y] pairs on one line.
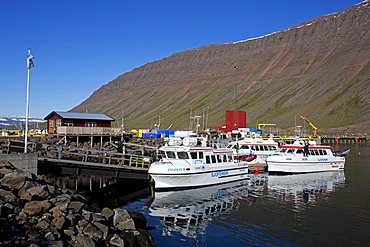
[[158, 133]]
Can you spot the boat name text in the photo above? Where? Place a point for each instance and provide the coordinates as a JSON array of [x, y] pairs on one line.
[[220, 174], [176, 169]]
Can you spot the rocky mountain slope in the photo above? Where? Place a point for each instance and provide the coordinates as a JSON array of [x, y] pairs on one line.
[[320, 69]]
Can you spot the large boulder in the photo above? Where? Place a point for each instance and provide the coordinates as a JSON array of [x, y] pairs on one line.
[[16, 179], [122, 220]]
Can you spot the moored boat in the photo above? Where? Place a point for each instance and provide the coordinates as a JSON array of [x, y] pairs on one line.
[[305, 158], [183, 167], [257, 146]]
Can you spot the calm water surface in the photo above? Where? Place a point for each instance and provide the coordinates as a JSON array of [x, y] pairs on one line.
[[321, 209]]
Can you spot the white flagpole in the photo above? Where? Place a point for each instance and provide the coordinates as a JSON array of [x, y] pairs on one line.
[[27, 97]]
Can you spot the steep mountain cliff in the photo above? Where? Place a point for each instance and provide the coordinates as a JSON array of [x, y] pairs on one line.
[[320, 69]]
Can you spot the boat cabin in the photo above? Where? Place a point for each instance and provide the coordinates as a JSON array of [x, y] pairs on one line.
[[197, 156], [312, 150]]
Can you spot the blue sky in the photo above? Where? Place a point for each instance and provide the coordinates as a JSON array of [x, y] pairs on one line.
[[78, 46]]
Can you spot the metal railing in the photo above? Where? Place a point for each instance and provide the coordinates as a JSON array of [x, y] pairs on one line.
[[103, 157]]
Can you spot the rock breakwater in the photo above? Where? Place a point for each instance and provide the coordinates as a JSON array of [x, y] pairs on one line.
[[35, 212]]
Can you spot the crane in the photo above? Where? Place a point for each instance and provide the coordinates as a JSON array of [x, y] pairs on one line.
[[312, 126], [259, 126]]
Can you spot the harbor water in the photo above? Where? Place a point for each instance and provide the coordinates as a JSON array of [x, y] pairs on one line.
[[318, 209]]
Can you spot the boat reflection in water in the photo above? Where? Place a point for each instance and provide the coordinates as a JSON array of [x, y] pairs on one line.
[[305, 188], [189, 211]]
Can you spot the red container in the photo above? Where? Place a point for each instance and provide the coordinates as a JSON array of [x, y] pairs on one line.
[[235, 119]]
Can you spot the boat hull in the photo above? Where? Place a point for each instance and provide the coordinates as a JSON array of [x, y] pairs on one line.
[[284, 164], [183, 180]]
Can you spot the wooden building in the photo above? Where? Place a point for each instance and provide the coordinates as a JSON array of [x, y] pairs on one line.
[[65, 123]]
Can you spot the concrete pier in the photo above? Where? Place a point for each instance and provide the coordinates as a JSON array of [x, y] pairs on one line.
[[27, 162]]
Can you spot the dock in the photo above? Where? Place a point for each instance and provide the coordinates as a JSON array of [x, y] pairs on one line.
[[257, 168], [73, 167], [343, 140], [83, 161]]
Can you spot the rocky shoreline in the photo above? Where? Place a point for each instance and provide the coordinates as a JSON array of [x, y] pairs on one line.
[[35, 212]]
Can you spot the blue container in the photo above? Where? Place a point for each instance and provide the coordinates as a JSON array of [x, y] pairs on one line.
[[146, 135], [170, 133], [253, 129]]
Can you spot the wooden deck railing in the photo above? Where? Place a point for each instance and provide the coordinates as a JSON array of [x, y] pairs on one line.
[[72, 130]]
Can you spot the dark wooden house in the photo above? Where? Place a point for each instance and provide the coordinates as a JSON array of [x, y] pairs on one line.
[[73, 120]]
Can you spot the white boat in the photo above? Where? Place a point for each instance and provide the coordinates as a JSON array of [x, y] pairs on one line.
[[183, 167], [291, 159], [257, 146]]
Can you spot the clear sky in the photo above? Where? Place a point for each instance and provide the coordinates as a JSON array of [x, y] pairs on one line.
[[80, 45]]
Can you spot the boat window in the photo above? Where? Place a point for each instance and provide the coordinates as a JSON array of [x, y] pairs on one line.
[[194, 155], [312, 152], [182, 155], [208, 160], [317, 152], [230, 157], [170, 155], [324, 152], [299, 151], [244, 147], [290, 151], [200, 155], [213, 158], [219, 159], [283, 150], [253, 147], [224, 158]]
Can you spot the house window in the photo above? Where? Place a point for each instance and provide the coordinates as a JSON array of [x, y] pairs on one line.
[[90, 124], [68, 122], [58, 122], [51, 123]]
